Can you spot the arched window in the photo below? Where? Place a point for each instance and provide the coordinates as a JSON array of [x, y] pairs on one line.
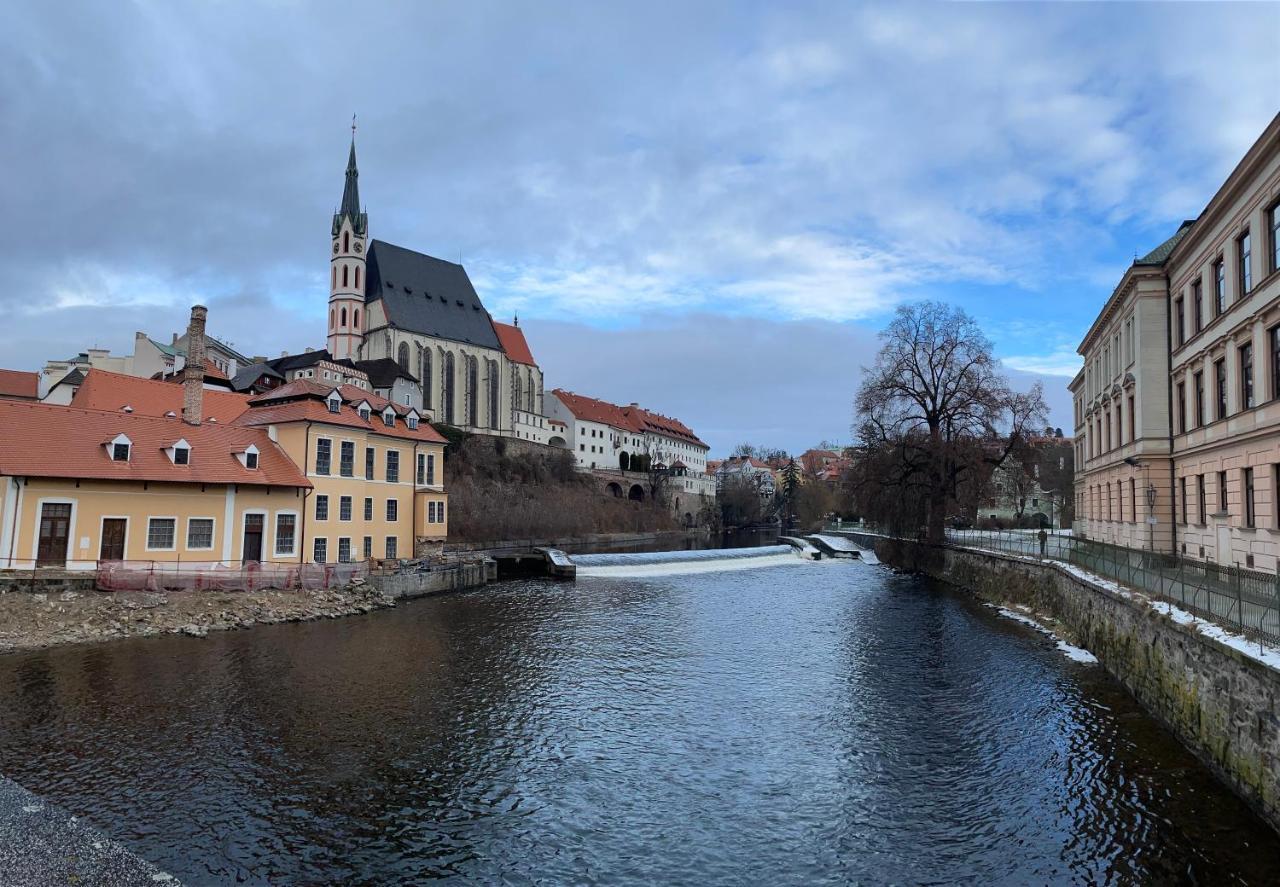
[[518, 399], [492, 367], [343, 315], [330, 318], [426, 379], [346, 241], [402, 356], [355, 318], [528, 391], [344, 276], [447, 388], [357, 277], [473, 391], [333, 282]]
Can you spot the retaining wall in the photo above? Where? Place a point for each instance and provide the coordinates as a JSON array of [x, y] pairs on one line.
[[452, 578], [1223, 704]]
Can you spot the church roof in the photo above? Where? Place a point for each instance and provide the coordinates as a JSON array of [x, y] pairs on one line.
[[351, 197], [514, 343], [383, 372], [426, 295]]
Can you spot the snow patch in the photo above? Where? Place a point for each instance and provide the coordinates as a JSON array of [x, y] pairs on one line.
[[1072, 652]]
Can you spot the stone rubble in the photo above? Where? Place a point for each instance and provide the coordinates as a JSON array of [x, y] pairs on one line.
[[33, 621]]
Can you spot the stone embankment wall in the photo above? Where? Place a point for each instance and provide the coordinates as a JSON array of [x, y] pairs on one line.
[[1223, 704], [452, 578]]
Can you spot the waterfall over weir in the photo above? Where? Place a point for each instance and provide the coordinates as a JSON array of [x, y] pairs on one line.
[[670, 563]]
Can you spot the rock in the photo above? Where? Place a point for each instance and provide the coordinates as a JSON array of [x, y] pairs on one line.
[[68, 595], [195, 631], [357, 581], [40, 598]]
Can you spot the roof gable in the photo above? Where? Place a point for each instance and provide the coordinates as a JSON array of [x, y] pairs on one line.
[[426, 295], [514, 343]]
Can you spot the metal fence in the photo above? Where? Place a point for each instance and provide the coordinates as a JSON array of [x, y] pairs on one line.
[[1237, 598]]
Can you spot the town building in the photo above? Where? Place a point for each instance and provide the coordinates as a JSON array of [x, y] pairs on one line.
[[1177, 424], [748, 470]]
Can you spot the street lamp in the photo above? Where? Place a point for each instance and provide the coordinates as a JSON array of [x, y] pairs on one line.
[[1150, 493]]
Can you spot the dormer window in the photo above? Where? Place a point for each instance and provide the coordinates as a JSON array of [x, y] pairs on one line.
[[248, 457], [389, 417], [364, 413], [119, 447], [412, 422], [335, 402]]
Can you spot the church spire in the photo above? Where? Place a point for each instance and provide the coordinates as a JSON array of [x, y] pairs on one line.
[[351, 193]]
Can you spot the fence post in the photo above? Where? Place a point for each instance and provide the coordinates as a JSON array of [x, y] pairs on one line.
[[1239, 600]]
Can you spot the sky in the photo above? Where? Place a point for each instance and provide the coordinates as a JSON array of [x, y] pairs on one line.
[[707, 208]]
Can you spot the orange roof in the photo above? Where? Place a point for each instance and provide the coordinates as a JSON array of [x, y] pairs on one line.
[[513, 343], [303, 400], [32, 433], [210, 372], [660, 424], [588, 409], [16, 383], [112, 392]]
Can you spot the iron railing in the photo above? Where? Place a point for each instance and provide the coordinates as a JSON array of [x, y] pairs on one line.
[[1243, 600]]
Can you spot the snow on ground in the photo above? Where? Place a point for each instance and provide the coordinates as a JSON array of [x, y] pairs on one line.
[[1266, 655], [1072, 652]]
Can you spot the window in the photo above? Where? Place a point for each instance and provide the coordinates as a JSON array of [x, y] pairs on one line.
[[324, 449], [1222, 492], [1182, 491], [1180, 321], [368, 463], [389, 417], [120, 452], [200, 533], [335, 404], [320, 550], [1273, 339], [1275, 237], [393, 509], [422, 469], [1244, 253], [1249, 515], [322, 507], [440, 513], [344, 508], [1220, 382], [1199, 380], [344, 550], [1133, 498], [1246, 376], [431, 512], [412, 422], [391, 547], [1197, 305], [286, 525], [364, 413], [393, 467], [1182, 407], [250, 460], [160, 533], [1133, 420], [347, 458], [368, 508], [181, 455], [1201, 500], [368, 547], [1219, 287]]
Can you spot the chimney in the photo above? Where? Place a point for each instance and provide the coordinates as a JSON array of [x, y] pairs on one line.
[[193, 375]]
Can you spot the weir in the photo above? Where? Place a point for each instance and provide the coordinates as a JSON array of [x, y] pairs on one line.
[[655, 563]]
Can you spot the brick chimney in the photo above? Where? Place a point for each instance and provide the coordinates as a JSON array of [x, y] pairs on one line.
[[193, 375]]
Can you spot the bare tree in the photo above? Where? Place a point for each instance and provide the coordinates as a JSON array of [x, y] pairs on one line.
[[934, 407]]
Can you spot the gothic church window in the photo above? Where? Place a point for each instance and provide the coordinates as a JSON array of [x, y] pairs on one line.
[[402, 356], [357, 277], [492, 369], [426, 378], [344, 317], [346, 241], [447, 389], [473, 373]]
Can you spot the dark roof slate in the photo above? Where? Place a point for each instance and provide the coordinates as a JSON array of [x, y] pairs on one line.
[[1158, 255], [426, 295], [251, 374], [384, 371]]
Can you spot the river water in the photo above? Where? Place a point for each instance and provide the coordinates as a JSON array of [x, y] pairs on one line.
[[801, 723]]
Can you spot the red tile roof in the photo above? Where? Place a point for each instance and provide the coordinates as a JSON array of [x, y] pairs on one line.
[[588, 409], [303, 400], [513, 343], [211, 372], [16, 383], [660, 424], [112, 392], [44, 440]]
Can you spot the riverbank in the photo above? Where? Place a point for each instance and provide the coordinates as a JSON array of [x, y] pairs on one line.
[[1216, 692], [34, 621]]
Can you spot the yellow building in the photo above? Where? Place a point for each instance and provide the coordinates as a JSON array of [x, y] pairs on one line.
[[78, 486], [376, 469]]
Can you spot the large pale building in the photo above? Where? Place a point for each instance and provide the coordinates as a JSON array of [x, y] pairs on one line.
[[387, 302], [1190, 345]]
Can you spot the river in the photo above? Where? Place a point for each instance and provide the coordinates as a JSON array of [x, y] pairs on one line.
[[802, 723]]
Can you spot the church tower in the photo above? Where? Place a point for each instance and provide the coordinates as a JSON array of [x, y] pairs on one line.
[[347, 268]]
